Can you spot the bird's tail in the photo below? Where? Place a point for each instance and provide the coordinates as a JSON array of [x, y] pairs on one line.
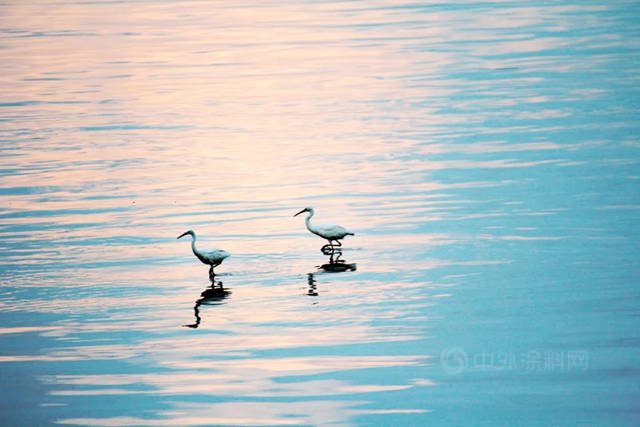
[[349, 234]]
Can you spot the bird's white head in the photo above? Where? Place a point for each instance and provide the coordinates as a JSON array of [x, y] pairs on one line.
[[190, 232], [307, 209]]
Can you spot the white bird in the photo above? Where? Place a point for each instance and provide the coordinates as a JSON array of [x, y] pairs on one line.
[[212, 258], [333, 233]]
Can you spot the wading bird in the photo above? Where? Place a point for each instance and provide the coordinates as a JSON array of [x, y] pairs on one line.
[[212, 258], [333, 233]]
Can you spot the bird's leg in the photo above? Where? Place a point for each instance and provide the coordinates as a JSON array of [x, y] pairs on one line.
[[336, 250], [337, 244], [332, 250], [212, 276]]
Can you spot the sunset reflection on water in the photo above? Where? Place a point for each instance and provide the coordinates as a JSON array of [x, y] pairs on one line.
[[484, 154]]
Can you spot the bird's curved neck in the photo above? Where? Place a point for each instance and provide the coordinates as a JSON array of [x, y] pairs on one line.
[[307, 220], [193, 244]]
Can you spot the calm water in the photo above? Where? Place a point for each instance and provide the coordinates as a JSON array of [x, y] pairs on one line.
[[486, 154]]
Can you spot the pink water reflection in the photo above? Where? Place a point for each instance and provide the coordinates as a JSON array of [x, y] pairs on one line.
[[122, 130], [247, 379]]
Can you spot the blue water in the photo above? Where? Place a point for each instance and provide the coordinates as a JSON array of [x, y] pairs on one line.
[[485, 154]]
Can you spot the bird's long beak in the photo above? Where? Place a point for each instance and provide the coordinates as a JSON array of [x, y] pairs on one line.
[[303, 210], [183, 234]]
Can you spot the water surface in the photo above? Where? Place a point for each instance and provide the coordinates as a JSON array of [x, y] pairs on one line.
[[485, 155]]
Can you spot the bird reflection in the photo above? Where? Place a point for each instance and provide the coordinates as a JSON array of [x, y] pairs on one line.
[[312, 285], [215, 294], [335, 264]]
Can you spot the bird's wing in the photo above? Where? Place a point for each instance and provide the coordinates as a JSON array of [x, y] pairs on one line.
[[332, 231], [216, 254]]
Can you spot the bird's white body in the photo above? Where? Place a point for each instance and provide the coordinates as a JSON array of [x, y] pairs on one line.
[[333, 233], [327, 231], [213, 257]]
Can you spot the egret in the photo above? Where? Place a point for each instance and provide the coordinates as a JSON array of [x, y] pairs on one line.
[[333, 233], [212, 258]]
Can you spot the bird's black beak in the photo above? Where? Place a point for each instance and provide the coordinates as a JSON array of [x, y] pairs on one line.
[[183, 234], [303, 210]]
